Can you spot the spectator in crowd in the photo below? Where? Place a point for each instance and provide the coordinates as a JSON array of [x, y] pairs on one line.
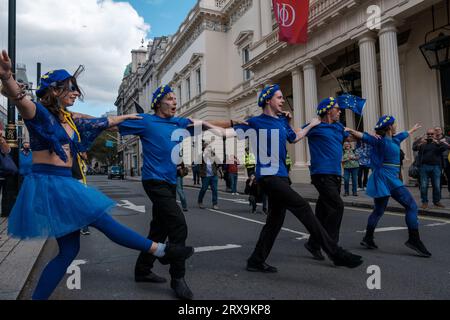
[[288, 162], [232, 167], [351, 167], [210, 171], [4, 149], [363, 153], [195, 173], [430, 152], [182, 171], [255, 193], [25, 161], [445, 164], [250, 162]]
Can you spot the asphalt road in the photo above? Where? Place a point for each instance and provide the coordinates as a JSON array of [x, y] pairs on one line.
[[225, 238]]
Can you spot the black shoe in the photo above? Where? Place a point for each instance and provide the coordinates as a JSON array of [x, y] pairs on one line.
[[261, 267], [416, 244], [355, 194], [175, 252], [316, 253], [181, 289], [346, 259], [368, 243], [151, 277], [419, 247]]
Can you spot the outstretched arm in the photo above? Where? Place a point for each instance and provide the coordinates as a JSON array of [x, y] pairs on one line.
[[11, 89], [301, 133], [354, 133], [414, 129], [115, 120]]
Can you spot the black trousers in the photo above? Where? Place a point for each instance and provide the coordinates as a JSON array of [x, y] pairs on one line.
[[363, 176], [167, 222], [329, 207], [281, 198]]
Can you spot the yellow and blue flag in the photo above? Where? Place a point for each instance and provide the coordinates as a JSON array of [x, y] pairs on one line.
[[354, 103]]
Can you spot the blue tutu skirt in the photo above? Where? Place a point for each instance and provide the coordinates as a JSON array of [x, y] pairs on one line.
[[382, 181], [52, 204]]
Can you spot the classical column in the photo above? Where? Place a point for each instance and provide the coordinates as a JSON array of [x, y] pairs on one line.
[[369, 80], [309, 72], [266, 17], [390, 74], [258, 27], [299, 115]]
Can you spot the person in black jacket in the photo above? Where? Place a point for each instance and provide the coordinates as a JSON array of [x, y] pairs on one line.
[[430, 152]]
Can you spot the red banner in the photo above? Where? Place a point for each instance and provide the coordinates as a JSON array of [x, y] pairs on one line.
[[292, 18]]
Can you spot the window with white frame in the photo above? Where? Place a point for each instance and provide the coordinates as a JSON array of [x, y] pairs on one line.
[[246, 59], [180, 95], [188, 88], [198, 74]]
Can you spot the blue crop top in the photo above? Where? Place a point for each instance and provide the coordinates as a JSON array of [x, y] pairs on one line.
[[47, 133]]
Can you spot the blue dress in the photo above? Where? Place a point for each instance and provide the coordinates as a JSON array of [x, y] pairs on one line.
[[385, 164], [51, 203]]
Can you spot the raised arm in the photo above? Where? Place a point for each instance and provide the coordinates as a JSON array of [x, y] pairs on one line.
[[414, 129], [354, 133], [115, 120], [11, 89], [301, 133]]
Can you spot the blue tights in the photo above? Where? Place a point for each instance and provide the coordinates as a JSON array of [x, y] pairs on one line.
[[69, 245], [402, 196]]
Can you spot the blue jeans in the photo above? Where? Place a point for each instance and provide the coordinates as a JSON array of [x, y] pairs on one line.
[[354, 173], [180, 192], [434, 172], [233, 180], [402, 196], [206, 182]]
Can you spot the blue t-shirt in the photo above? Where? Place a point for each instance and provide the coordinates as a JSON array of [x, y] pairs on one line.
[[25, 163], [268, 163], [325, 147], [156, 137]]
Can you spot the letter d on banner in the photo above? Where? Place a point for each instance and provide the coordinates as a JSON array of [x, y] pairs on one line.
[[292, 18]]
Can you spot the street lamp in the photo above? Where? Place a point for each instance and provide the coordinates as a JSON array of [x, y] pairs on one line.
[[437, 51]]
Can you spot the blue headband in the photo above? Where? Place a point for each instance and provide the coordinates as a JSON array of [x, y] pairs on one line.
[[267, 94], [325, 105], [51, 79], [384, 122], [159, 94]]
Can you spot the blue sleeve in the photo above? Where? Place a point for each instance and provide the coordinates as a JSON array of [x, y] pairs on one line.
[[184, 122], [291, 135], [346, 134], [401, 136], [133, 127], [367, 138], [89, 130]]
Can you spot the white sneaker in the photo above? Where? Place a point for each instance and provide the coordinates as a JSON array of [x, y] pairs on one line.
[[215, 207]]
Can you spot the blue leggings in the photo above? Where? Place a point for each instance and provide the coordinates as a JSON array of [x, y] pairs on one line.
[[402, 196], [69, 245]]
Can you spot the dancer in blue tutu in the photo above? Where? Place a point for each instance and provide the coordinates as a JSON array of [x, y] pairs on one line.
[[51, 203], [384, 181]]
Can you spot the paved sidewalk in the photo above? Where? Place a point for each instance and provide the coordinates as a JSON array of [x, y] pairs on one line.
[[310, 193], [17, 259]]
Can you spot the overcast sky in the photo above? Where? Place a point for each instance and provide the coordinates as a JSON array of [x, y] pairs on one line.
[[62, 34]]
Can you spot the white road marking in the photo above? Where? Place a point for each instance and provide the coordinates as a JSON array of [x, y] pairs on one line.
[[386, 229], [216, 248], [129, 205], [302, 234]]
